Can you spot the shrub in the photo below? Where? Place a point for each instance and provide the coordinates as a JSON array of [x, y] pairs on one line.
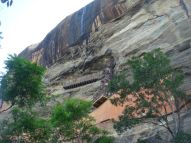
[[183, 138], [105, 139]]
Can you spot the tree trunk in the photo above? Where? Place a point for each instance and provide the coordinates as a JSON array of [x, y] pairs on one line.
[[7, 108], [173, 116], [177, 104], [79, 139]]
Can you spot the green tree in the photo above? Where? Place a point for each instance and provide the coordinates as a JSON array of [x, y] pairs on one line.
[[1, 34], [105, 139], [1, 37], [73, 122], [182, 137], [155, 86], [25, 127], [22, 84], [8, 2]]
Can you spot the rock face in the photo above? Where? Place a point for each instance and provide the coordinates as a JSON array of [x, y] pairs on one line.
[[85, 42], [102, 36], [76, 28]]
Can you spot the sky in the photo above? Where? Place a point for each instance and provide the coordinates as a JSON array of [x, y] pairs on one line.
[[27, 22]]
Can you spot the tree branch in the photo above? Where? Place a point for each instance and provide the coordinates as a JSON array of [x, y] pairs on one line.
[[7, 108]]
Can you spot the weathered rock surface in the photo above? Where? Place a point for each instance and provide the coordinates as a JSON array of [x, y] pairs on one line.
[[76, 28], [152, 133], [87, 41]]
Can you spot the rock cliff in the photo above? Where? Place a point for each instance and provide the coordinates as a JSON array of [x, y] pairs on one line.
[[82, 52], [86, 42]]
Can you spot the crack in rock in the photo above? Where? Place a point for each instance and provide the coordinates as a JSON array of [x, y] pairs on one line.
[[183, 5]]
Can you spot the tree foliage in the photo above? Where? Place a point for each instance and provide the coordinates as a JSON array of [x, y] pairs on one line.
[[155, 89], [8, 2], [73, 121], [1, 34], [22, 84], [182, 137], [105, 139], [25, 127], [69, 121]]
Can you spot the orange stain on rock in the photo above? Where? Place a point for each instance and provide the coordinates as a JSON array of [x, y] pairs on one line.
[[108, 111]]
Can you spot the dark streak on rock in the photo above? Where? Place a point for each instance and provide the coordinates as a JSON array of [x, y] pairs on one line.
[[183, 5]]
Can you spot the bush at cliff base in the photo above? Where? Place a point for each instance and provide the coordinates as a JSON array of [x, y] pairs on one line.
[[105, 139], [183, 138]]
